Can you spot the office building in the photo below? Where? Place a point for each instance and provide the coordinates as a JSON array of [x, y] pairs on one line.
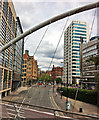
[[72, 35], [90, 50], [18, 56], [7, 32]]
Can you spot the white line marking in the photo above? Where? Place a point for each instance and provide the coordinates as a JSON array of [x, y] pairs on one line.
[[11, 109], [21, 116], [11, 114]]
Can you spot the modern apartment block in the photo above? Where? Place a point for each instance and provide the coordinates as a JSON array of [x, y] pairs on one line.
[[7, 32], [72, 35], [18, 56], [30, 69], [89, 50]]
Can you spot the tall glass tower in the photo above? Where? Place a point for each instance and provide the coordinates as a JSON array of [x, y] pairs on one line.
[[72, 42], [7, 33]]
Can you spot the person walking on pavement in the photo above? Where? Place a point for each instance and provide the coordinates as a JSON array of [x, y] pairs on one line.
[[56, 94]]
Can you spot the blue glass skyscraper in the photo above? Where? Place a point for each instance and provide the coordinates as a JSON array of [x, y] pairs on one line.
[[72, 42]]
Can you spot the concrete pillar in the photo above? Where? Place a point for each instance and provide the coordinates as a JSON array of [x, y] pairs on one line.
[[9, 92], [0, 111], [0, 95], [6, 93]]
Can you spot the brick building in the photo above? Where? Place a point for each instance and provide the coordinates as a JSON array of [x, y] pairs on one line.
[[56, 72], [30, 69]]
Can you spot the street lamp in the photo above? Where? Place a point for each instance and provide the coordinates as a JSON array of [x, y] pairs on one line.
[[61, 75]]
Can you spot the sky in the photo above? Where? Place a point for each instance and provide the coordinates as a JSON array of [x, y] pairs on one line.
[[34, 12]]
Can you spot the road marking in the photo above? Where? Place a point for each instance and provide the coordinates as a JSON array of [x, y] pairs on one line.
[[39, 111], [11, 114], [48, 113], [21, 116], [11, 110], [56, 105]]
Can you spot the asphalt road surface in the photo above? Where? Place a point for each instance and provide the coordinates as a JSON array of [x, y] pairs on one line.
[[41, 96]]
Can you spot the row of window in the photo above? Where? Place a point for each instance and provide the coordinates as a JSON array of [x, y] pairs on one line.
[[90, 53], [76, 46], [75, 66], [76, 70], [78, 37], [79, 34], [76, 43], [75, 73], [79, 31], [3, 30], [79, 40], [5, 9], [90, 48], [76, 53], [76, 57], [80, 28], [79, 24]]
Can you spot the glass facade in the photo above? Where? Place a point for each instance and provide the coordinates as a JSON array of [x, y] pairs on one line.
[[7, 26], [72, 42], [17, 68]]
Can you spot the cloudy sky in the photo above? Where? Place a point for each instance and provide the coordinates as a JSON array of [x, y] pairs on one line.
[[33, 12]]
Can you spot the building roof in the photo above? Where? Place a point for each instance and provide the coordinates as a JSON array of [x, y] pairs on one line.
[[94, 38]]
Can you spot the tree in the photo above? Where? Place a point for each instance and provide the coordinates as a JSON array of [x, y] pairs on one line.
[[58, 80], [97, 81], [45, 78]]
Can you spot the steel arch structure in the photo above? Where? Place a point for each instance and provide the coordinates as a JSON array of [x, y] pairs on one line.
[[50, 21]]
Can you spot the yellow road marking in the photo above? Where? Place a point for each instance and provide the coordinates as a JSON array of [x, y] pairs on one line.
[[56, 104]]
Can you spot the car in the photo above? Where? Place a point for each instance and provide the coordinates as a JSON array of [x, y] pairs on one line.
[[49, 84]]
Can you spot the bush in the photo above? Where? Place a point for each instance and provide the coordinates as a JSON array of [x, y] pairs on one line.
[[88, 96]]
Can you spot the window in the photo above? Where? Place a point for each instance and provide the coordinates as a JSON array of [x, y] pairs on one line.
[[76, 46], [78, 37], [76, 56], [1, 58], [79, 24], [3, 30], [76, 50], [76, 53], [1, 71], [5, 79], [5, 9], [76, 43], [79, 34], [80, 28], [79, 31], [75, 60], [78, 40], [10, 17]]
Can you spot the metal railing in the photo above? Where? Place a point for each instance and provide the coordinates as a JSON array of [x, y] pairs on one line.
[[47, 108]]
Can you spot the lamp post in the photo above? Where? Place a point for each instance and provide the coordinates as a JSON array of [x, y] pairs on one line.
[[61, 75], [68, 103]]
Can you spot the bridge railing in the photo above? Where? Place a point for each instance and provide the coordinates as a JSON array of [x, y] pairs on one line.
[[73, 115]]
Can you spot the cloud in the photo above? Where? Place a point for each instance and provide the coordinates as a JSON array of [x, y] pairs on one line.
[[33, 12]]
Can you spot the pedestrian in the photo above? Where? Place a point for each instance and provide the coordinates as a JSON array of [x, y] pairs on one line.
[[56, 94]]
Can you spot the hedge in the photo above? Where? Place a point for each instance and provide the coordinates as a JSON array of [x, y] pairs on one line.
[[84, 95]]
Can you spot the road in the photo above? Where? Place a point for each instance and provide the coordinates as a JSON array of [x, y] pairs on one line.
[[41, 96], [37, 96]]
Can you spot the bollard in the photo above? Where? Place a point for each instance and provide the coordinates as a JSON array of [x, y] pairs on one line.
[[80, 109], [68, 105]]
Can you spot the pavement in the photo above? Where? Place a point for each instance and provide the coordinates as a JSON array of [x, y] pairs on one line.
[[60, 103], [88, 109]]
